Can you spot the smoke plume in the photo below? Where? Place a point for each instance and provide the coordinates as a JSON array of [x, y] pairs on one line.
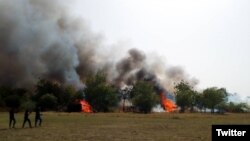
[[41, 39], [127, 65]]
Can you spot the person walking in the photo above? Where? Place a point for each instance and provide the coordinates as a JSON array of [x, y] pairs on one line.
[[12, 118], [26, 118], [38, 116]]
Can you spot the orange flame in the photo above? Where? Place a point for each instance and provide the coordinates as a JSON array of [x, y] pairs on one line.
[[167, 104], [86, 108]]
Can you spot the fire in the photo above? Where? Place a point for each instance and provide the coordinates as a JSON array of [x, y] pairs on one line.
[[86, 108], [167, 104]]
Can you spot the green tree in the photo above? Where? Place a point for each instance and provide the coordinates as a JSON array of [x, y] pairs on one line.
[[213, 97], [48, 101], [101, 96], [236, 107], [13, 97], [79, 95], [63, 98], [185, 96], [13, 101], [28, 104], [4, 92], [62, 94], [199, 101], [2, 104], [143, 96]]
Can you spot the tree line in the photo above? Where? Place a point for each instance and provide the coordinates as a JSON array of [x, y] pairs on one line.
[[104, 97], [215, 99]]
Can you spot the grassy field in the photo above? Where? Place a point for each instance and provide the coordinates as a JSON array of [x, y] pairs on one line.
[[118, 127]]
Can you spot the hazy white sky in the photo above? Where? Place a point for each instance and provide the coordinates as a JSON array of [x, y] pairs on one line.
[[210, 39]]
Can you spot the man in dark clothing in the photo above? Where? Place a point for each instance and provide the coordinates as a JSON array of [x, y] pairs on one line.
[[38, 116], [26, 118], [12, 118]]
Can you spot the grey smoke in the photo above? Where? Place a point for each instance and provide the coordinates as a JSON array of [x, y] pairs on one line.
[[40, 39], [127, 65]]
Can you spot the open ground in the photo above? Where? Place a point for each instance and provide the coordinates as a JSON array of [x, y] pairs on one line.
[[118, 126]]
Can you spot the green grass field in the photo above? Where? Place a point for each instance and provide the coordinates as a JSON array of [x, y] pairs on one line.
[[118, 127]]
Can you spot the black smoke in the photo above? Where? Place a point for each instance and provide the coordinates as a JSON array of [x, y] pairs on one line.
[[126, 66], [41, 39]]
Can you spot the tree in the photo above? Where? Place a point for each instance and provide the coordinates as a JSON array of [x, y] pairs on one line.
[[62, 94], [214, 96], [100, 95], [199, 101], [236, 107], [13, 97], [185, 96], [143, 96], [48, 101], [4, 92], [13, 101], [63, 98], [79, 95], [1, 101], [28, 105]]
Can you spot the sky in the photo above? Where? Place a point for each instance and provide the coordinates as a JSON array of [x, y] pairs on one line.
[[210, 39]]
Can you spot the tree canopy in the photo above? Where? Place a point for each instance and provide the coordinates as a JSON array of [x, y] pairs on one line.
[[214, 96], [185, 96], [143, 96], [103, 97], [100, 95]]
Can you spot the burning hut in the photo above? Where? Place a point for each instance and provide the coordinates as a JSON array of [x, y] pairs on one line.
[[167, 100], [85, 107], [167, 104], [80, 106]]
